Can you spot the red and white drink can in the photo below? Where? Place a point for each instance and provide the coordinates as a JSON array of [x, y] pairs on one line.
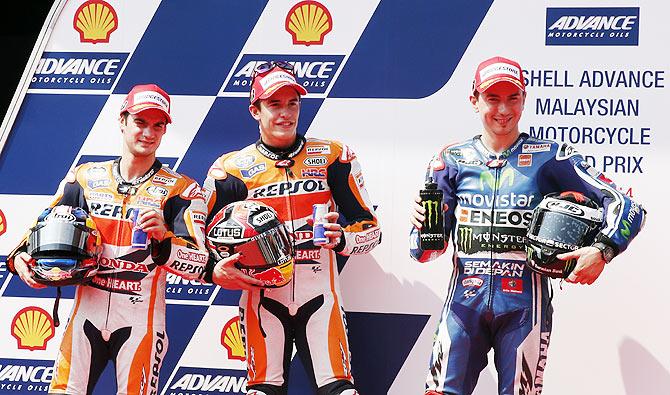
[[319, 212]]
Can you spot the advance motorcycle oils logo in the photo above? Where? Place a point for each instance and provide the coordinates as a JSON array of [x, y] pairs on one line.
[[78, 70], [314, 72], [593, 26], [201, 381]]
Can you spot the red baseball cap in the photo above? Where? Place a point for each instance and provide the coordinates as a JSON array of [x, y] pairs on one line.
[[265, 85], [497, 69], [144, 97]]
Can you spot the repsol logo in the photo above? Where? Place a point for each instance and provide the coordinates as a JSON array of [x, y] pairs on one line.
[[108, 210], [159, 347], [289, 188]]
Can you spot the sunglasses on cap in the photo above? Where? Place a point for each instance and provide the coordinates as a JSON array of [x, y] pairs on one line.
[[264, 67]]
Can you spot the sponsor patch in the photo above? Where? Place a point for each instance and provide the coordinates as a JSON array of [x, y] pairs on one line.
[[252, 171], [308, 255], [157, 191], [244, 161], [512, 285], [167, 181], [472, 282], [315, 161], [313, 173], [531, 148], [318, 150], [525, 160], [95, 184]]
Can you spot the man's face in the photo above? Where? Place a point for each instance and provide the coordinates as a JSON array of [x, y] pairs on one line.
[[278, 117], [500, 108], [143, 132]]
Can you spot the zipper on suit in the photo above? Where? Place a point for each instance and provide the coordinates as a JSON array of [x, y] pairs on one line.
[[491, 229]]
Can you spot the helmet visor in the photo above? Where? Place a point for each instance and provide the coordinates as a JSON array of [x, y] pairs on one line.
[[56, 238], [560, 227], [270, 248]]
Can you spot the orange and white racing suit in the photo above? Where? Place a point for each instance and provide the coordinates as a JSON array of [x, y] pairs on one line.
[[120, 314], [308, 310]]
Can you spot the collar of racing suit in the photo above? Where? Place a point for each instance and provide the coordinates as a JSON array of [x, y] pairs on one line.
[[277, 154], [129, 186]]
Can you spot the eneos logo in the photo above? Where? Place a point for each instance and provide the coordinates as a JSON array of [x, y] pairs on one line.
[[32, 327], [593, 26], [95, 20], [3, 223], [231, 339], [308, 22]]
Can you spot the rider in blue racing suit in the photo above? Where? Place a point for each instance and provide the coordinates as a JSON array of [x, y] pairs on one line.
[[491, 184]]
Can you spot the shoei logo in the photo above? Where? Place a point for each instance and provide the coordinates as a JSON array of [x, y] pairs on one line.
[[63, 70], [593, 26], [95, 20], [3, 223], [308, 22], [32, 327], [231, 339], [314, 72]]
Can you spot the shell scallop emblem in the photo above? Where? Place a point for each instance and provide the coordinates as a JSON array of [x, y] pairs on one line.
[[95, 20], [3, 223], [231, 339], [32, 327], [309, 22]]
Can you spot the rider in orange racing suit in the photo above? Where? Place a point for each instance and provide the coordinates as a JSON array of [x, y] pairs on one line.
[[308, 310], [120, 314]]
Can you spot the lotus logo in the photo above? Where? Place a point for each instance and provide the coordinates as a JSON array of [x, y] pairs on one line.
[[308, 22], [32, 327], [95, 20]]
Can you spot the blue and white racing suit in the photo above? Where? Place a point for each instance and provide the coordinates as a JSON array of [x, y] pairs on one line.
[[494, 300]]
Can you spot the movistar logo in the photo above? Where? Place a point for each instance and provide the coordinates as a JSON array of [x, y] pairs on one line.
[[625, 232], [431, 207], [487, 178]]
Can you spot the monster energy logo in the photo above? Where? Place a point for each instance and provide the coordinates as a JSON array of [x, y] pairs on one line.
[[486, 177], [431, 207], [625, 232], [465, 238]]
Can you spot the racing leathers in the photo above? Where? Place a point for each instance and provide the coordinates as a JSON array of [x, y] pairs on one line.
[[308, 310], [494, 300], [120, 314]]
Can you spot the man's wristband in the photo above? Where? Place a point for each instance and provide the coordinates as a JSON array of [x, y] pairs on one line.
[[606, 251]]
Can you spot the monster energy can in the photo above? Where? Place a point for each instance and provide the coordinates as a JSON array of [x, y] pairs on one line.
[[431, 235]]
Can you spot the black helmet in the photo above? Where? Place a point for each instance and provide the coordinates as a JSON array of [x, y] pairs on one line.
[[561, 223], [65, 244], [254, 230]]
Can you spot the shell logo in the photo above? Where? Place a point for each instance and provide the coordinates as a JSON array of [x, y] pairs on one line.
[[32, 327], [309, 22], [95, 20], [3, 223], [231, 339]]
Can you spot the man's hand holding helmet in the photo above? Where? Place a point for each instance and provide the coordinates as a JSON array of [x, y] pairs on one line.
[[62, 248], [251, 246], [590, 264], [23, 264], [560, 238]]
